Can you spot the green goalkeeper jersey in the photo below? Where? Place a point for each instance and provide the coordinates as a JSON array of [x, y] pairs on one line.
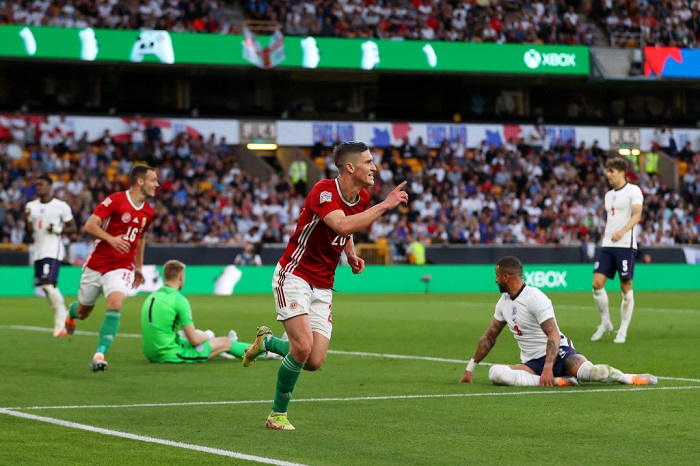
[[163, 313]]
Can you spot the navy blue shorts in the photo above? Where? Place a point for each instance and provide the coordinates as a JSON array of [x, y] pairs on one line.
[[564, 352], [46, 271], [620, 260]]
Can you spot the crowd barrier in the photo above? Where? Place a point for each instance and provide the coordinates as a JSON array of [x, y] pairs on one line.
[[231, 280]]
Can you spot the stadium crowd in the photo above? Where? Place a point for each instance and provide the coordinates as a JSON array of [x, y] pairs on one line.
[[661, 23], [518, 21], [517, 193], [500, 21], [668, 23], [173, 15]]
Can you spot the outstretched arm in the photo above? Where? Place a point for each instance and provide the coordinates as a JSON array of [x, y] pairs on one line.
[[549, 327], [347, 225], [486, 343]]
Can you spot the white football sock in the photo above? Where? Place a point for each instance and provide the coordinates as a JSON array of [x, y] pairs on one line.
[[601, 300], [626, 310], [504, 375], [58, 304], [588, 372]]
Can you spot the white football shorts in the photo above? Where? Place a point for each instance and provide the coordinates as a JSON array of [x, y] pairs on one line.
[[93, 283], [294, 296]]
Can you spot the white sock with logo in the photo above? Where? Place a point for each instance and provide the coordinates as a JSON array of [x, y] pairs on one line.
[[601, 300], [589, 372]]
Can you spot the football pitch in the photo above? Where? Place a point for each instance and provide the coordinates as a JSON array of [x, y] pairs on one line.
[[389, 391]]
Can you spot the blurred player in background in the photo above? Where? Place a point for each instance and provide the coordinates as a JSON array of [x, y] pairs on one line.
[[547, 357], [303, 279], [167, 310], [47, 219], [118, 225], [623, 205]]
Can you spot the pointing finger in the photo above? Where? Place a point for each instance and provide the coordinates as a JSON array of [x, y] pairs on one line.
[[400, 187]]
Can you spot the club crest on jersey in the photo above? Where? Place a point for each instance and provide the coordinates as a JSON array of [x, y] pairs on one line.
[[126, 217], [326, 196], [293, 305]]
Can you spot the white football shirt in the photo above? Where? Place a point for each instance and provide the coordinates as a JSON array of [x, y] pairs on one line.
[[48, 245], [618, 205], [524, 315]]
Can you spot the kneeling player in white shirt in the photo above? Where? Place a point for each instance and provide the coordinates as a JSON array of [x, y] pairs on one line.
[[547, 357], [47, 219]]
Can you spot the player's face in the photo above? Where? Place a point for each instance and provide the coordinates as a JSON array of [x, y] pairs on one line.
[[43, 188], [501, 280], [365, 168], [616, 177], [150, 183]]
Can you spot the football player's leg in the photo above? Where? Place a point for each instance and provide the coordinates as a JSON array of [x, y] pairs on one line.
[[607, 374], [58, 305], [626, 310], [600, 297]]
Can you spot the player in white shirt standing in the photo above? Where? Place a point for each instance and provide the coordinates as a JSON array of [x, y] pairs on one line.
[[547, 357], [47, 218], [623, 205]]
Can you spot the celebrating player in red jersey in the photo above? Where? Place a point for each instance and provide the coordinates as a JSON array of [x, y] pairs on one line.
[[118, 225], [303, 278]]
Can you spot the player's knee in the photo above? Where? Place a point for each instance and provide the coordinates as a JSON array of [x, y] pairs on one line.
[[314, 364], [301, 352], [497, 374], [84, 311]]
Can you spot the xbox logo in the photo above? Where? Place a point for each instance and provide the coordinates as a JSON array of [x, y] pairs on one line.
[[532, 59]]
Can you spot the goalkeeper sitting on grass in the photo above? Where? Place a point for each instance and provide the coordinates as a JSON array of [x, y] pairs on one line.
[[167, 310]]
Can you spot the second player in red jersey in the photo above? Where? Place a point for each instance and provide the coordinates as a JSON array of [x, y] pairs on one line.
[[120, 218], [118, 225]]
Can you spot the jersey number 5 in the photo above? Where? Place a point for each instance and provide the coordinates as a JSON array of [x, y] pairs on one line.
[[131, 234]]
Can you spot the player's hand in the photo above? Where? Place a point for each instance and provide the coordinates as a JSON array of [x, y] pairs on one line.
[[120, 244], [138, 279], [54, 229], [467, 377], [547, 378], [396, 196], [617, 236], [357, 264]]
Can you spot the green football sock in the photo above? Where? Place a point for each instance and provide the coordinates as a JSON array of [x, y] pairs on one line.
[[287, 377], [109, 330], [238, 349], [277, 345], [73, 310]]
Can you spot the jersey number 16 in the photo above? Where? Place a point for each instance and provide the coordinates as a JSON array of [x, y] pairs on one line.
[[131, 234]]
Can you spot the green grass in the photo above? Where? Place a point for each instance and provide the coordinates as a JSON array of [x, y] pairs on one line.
[[370, 408]]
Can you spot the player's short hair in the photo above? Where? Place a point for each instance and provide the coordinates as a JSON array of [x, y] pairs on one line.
[[510, 265], [46, 178], [618, 163], [172, 269], [139, 171], [346, 151]]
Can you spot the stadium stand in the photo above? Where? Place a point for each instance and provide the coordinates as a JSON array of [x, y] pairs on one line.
[[509, 194]]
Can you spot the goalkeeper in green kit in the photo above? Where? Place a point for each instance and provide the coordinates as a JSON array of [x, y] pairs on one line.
[[167, 310]]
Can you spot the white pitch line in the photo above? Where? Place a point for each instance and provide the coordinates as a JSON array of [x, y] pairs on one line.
[[363, 398], [143, 438], [574, 307]]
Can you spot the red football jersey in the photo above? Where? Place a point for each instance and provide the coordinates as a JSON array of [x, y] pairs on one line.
[[314, 249], [120, 217]]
